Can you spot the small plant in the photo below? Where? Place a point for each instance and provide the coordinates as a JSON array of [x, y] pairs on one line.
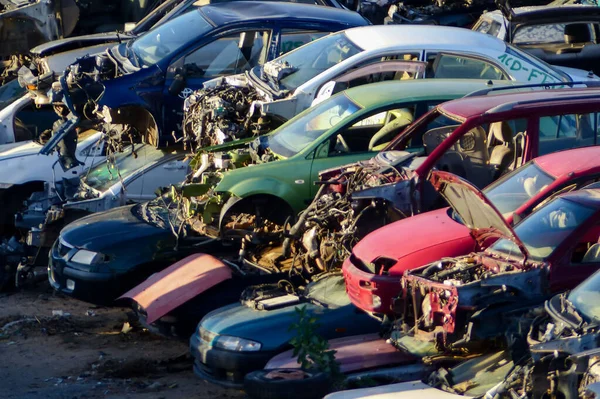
[[310, 348]]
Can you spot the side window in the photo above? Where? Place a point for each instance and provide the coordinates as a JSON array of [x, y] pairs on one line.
[[163, 175], [587, 250], [451, 66], [562, 132], [293, 38], [371, 133], [228, 55]]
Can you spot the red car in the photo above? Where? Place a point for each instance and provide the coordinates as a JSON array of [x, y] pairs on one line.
[[460, 303], [375, 268]]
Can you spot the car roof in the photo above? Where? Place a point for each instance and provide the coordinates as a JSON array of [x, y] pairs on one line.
[[570, 161], [422, 37], [561, 13], [474, 106], [237, 11], [373, 94]]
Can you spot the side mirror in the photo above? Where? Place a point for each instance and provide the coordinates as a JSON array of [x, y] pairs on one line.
[[177, 86], [129, 26]]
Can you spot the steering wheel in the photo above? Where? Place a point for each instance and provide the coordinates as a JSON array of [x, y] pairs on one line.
[[343, 143]]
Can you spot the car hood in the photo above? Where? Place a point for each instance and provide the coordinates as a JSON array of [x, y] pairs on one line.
[[77, 42], [418, 234], [242, 321], [20, 149], [177, 284], [473, 207], [97, 231]]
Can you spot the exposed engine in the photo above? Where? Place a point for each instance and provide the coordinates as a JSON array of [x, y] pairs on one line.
[[561, 360], [439, 300], [223, 113]]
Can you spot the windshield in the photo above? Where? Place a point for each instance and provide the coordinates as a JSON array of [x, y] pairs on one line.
[[556, 220], [102, 177], [516, 188], [329, 291], [295, 135], [586, 297], [165, 40], [11, 92], [310, 60], [159, 15]]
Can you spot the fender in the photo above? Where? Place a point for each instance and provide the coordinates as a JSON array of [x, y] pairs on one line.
[[268, 186]]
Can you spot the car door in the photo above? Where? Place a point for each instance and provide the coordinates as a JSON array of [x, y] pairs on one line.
[[580, 261], [229, 53], [462, 66], [353, 141], [143, 187]]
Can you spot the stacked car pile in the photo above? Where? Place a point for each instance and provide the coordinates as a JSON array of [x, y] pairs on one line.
[[273, 180]]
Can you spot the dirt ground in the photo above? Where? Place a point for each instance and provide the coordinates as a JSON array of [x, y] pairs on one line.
[[88, 353]]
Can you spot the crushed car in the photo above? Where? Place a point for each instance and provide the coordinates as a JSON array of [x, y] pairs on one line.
[[260, 99], [374, 270], [560, 35], [134, 91], [130, 176], [269, 178], [459, 304], [26, 24]]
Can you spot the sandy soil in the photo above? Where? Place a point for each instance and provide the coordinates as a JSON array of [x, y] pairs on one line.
[[86, 354]]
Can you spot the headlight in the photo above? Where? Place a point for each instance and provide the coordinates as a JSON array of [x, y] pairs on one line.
[[236, 344], [86, 257]]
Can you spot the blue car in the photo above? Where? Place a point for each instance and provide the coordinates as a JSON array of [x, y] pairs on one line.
[[240, 338], [135, 90]]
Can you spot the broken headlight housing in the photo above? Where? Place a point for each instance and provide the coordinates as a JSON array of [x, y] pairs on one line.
[[236, 344], [85, 257]]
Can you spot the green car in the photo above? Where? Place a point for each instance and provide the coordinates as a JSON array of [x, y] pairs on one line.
[[283, 166]]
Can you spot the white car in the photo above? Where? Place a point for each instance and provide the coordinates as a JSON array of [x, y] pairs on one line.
[[289, 84]]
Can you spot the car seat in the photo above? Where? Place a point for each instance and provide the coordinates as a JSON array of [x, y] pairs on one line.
[[501, 155], [576, 35], [384, 135], [592, 255]]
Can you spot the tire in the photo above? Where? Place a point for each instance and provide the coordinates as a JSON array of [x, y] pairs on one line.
[[260, 385]]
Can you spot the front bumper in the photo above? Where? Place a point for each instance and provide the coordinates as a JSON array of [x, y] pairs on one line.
[[371, 292], [94, 287], [223, 367]]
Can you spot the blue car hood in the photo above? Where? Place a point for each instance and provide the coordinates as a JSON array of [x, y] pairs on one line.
[[271, 327], [111, 229]]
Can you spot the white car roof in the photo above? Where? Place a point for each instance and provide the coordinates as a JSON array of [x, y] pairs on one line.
[[421, 37]]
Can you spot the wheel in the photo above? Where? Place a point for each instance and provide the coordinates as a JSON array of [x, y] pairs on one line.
[[287, 384]]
